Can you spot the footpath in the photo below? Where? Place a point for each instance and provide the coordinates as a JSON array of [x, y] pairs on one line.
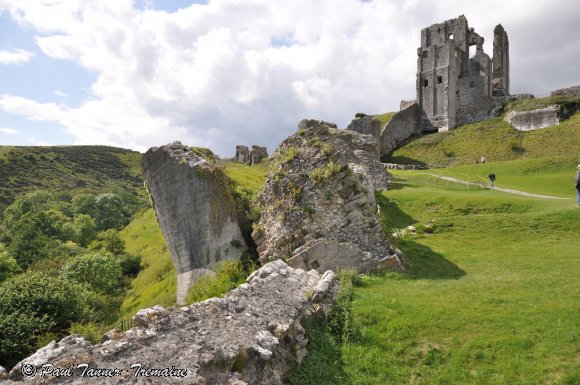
[[506, 190]]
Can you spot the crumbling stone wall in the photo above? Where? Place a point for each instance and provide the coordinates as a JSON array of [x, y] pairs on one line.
[[534, 119], [257, 154], [367, 125], [195, 209], [252, 336], [401, 127], [451, 85], [570, 91], [245, 155], [242, 154], [321, 189]]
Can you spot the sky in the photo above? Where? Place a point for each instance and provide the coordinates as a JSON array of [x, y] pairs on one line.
[[217, 73]]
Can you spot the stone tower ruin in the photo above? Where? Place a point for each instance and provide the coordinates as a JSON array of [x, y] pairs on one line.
[[458, 83]]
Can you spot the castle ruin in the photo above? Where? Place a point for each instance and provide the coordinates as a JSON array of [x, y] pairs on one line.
[[458, 83]]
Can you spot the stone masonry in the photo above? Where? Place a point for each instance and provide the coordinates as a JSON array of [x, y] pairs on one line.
[[453, 86], [195, 209]]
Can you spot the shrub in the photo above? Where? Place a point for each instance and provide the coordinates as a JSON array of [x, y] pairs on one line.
[[101, 271]]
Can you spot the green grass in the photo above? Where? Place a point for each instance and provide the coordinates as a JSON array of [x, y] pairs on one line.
[[493, 138], [490, 297], [156, 282], [537, 103], [384, 118], [547, 176], [249, 177]]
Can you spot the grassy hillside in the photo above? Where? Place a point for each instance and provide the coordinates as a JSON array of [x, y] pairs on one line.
[[491, 295], [67, 168], [156, 282], [493, 138]]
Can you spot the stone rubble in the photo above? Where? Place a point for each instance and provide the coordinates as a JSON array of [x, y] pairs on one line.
[[254, 335]]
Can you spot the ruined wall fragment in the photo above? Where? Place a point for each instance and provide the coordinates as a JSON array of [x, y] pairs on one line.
[[195, 210], [252, 336]]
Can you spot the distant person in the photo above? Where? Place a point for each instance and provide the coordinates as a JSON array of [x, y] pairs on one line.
[[577, 184], [492, 179], [483, 159]]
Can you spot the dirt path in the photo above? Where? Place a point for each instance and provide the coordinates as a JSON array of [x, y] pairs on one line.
[[507, 190]]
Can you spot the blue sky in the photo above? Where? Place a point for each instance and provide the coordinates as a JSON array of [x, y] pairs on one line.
[[217, 73]]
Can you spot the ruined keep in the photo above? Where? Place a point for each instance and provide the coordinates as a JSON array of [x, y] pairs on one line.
[[455, 87]]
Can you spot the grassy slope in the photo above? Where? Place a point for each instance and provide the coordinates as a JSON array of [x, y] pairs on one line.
[[67, 168], [491, 297], [494, 138], [156, 282], [556, 176], [250, 177]]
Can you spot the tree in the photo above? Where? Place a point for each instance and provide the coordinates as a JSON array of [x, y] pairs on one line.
[[85, 230], [8, 266], [109, 213], [35, 303], [85, 203], [109, 240], [31, 238], [100, 270]]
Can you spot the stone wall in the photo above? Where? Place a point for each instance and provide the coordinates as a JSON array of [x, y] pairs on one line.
[[401, 127], [570, 91], [195, 210], [367, 125], [252, 336], [534, 119]]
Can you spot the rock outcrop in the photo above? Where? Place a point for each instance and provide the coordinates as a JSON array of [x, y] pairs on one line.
[[254, 335], [195, 209], [570, 91], [319, 198]]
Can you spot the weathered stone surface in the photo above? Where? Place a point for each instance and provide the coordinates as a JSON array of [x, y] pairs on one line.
[[3, 373], [318, 206], [401, 127], [570, 91], [367, 125], [453, 88], [195, 209], [253, 335], [534, 119]]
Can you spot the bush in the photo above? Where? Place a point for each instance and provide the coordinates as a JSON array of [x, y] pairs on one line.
[[101, 271]]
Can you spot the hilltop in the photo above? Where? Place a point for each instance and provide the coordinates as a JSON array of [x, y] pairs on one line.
[[67, 168]]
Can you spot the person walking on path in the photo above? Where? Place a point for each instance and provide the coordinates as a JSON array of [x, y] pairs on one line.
[[577, 184], [491, 179]]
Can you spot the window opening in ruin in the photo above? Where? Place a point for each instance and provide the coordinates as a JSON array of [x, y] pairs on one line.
[[425, 54], [471, 51], [425, 83], [451, 37], [471, 84], [439, 79]]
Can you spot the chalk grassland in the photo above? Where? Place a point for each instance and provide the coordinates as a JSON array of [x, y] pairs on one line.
[[491, 295]]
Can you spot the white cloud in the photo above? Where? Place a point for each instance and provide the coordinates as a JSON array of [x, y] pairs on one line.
[[60, 93], [9, 131], [17, 56], [246, 72]]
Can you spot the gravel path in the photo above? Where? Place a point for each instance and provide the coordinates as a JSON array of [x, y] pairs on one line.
[[507, 190]]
